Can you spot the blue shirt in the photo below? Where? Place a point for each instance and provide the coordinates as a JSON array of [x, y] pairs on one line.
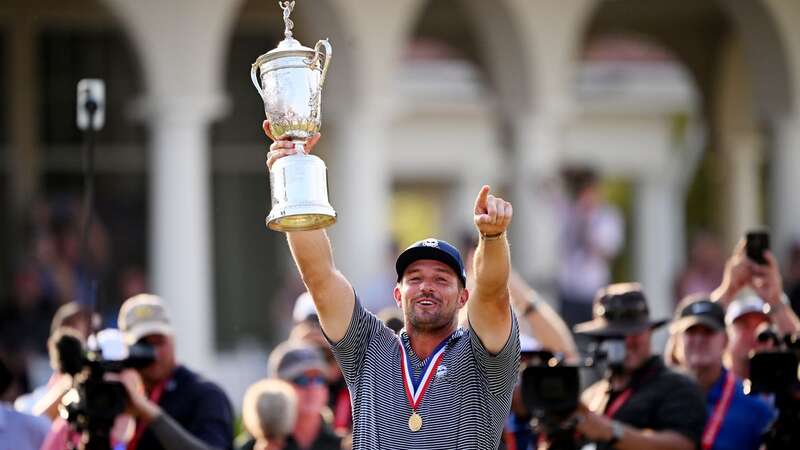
[[746, 420], [199, 406], [19, 431]]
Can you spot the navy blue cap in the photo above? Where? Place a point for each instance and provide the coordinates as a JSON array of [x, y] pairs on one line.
[[435, 249], [698, 310]]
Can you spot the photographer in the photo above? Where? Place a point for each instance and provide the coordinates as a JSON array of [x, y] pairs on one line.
[[744, 315], [44, 400], [736, 421], [641, 403], [175, 408]]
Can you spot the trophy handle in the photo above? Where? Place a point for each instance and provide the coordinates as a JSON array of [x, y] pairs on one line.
[[315, 60], [254, 78]]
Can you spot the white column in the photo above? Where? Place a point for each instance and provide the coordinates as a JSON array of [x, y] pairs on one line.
[[180, 222], [359, 184], [657, 250], [458, 217], [535, 235], [744, 182], [785, 184], [182, 52]]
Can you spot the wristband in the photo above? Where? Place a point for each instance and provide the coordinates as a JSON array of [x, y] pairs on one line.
[[617, 431], [492, 237]]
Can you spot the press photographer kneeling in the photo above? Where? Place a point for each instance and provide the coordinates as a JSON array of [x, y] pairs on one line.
[[640, 403]]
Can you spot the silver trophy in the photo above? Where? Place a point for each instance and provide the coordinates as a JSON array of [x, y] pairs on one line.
[[289, 79]]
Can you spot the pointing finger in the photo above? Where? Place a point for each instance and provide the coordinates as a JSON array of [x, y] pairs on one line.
[[491, 208], [480, 202]]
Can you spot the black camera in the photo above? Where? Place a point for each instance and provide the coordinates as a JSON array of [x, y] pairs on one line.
[[550, 391], [551, 388], [775, 373], [94, 402]]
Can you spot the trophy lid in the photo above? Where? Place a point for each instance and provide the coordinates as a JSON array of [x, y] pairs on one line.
[[289, 46]]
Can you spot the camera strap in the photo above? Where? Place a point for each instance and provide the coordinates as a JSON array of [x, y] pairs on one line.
[[618, 402], [715, 422], [155, 397]]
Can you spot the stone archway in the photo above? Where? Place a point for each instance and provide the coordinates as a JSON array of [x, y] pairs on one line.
[[700, 34]]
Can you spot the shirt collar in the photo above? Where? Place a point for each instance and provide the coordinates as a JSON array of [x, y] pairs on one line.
[[407, 344], [716, 388], [651, 365]]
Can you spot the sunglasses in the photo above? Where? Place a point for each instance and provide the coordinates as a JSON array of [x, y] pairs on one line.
[[306, 380]]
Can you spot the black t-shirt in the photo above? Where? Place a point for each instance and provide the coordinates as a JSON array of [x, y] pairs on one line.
[[199, 406], [661, 400]]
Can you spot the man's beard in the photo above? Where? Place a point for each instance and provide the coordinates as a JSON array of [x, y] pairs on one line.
[[432, 322]]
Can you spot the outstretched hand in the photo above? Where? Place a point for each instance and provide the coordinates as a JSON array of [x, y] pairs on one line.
[[492, 214], [283, 146]]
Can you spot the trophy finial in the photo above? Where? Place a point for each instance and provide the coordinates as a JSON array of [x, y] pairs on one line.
[[287, 8]]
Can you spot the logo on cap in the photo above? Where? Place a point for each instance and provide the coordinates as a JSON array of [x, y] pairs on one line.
[[430, 243], [143, 312], [699, 308]]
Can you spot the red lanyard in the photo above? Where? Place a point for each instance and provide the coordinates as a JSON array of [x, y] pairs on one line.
[[155, 396], [342, 419], [715, 422], [618, 402]]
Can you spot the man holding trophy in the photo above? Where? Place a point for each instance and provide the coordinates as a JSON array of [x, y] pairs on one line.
[[434, 385]]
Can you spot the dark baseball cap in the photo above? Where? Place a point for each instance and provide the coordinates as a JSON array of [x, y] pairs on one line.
[[619, 310], [435, 249], [698, 310], [291, 359]]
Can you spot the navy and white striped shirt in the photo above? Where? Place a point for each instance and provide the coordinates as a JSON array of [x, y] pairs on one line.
[[464, 407]]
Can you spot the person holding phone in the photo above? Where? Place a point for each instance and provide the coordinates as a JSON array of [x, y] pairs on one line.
[[752, 266]]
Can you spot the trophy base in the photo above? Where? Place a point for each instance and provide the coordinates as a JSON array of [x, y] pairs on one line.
[[299, 194], [301, 221]]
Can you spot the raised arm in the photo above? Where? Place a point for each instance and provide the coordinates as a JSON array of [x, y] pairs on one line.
[[332, 293], [547, 326], [488, 308], [766, 282]]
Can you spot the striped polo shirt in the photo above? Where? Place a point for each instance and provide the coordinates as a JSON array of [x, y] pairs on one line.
[[464, 407]]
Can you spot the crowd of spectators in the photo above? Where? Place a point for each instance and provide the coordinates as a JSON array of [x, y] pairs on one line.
[[692, 396]]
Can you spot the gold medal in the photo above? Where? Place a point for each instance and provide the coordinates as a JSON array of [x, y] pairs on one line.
[[415, 422]]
